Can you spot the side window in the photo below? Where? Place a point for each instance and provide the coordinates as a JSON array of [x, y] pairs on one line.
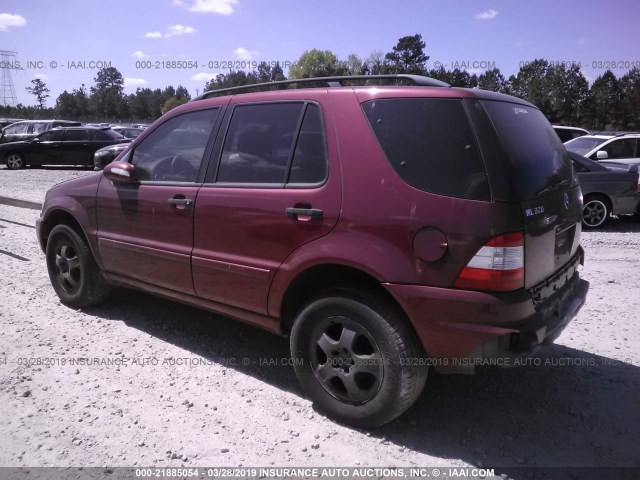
[[310, 158], [623, 148], [258, 143], [40, 127], [430, 145], [76, 135], [16, 129], [173, 151], [51, 136]]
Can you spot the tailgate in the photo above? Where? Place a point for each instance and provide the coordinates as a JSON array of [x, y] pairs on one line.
[[552, 227]]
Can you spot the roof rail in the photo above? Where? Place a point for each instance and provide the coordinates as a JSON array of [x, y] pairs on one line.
[[416, 80]]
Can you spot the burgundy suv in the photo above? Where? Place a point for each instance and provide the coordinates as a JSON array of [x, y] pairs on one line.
[[387, 229]]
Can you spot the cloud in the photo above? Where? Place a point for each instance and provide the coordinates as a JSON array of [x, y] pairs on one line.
[[41, 76], [9, 20], [139, 54], [204, 77], [172, 31], [134, 82], [524, 44], [244, 54], [176, 30], [221, 7], [487, 15], [582, 41]]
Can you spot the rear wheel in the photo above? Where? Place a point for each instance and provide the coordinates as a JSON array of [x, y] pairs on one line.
[[14, 161], [595, 212], [356, 358], [72, 270]]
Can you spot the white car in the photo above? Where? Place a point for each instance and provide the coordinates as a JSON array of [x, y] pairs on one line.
[[607, 146], [569, 133]]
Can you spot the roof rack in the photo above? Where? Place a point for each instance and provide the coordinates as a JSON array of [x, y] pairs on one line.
[[416, 80], [615, 134]]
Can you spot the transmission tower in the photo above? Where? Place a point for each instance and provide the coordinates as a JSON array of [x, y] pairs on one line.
[[7, 63]]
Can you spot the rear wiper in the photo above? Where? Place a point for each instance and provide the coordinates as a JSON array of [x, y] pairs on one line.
[[552, 187]]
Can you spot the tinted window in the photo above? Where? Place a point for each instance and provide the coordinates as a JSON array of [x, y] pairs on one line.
[[104, 135], [51, 136], [310, 158], [536, 155], [258, 143], [430, 144], [173, 151], [76, 135], [623, 148]]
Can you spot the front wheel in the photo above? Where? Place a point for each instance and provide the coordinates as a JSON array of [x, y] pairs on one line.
[[14, 161], [356, 358], [72, 270]]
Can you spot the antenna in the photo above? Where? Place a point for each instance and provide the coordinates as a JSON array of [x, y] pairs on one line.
[[8, 62]]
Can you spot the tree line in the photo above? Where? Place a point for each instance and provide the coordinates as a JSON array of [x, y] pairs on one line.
[[561, 91]]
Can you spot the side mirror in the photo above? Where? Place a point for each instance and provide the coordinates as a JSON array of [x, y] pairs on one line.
[[35, 140], [120, 172], [633, 169], [602, 155]]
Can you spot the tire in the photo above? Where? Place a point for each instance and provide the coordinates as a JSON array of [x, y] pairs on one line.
[[335, 330], [14, 161], [595, 212], [73, 272]]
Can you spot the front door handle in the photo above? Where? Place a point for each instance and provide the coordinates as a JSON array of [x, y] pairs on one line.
[[180, 203], [304, 214]]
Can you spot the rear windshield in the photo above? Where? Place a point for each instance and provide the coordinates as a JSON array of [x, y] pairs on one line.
[[538, 158], [582, 145], [430, 145]]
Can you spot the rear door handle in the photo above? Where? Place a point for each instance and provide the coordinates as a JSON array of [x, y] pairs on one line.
[[304, 214]]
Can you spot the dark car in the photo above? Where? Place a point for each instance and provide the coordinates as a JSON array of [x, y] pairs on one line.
[[106, 155], [128, 132], [569, 133], [385, 229], [60, 146], [607, 188], [27, 129]]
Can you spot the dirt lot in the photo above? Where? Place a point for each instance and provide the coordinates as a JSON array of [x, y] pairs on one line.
[[193, 389]]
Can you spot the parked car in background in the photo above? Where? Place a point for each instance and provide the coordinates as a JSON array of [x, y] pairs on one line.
[[106, 155], [59, 146], [5, 122], [128, 132], [569, 133], [385, 230], [607, 190], [28, 129], [607, 146]]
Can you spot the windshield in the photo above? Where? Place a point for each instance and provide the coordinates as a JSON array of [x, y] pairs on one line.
[[538, 160], [583, 145]]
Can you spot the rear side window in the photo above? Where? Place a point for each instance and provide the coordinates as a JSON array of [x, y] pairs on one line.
[[430, 145], [76, 135], [537, 157], [258, 143], [104, 135], [310, 157]]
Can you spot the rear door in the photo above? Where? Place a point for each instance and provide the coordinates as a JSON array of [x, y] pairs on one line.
[[74, 147], [270, 190], [538, 171]]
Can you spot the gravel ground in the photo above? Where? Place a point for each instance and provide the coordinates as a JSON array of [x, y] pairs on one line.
[[193, 389]]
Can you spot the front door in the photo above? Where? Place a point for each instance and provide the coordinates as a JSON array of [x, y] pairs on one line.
[[145, 232]]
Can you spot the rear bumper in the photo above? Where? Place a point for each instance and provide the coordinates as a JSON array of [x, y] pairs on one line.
[[462, 330]]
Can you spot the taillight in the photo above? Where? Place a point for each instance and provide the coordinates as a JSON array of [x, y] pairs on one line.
[[498, 265]]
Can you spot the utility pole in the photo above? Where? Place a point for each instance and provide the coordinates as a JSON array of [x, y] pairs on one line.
[[8, 62]]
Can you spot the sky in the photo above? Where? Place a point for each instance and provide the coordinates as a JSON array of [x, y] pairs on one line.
[[170, 42]]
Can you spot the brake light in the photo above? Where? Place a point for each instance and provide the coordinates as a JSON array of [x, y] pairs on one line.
[[498, 265]]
